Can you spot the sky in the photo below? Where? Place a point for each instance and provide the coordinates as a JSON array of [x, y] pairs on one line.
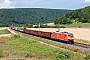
[[51, 4]]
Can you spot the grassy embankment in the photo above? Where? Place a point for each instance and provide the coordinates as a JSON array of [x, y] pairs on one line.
[[4, 31], [30, 49], [24, 48]]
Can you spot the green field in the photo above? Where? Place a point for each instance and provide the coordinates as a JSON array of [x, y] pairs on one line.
[[74, 25], [77, 25], [5, 31]]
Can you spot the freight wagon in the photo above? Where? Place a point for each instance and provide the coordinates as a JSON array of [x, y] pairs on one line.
[[38, 33]]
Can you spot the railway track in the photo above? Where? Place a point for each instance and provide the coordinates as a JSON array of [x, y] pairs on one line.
[[79, 44], [82, 45]]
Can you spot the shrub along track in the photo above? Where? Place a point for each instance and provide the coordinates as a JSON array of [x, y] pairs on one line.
[[76, 47]]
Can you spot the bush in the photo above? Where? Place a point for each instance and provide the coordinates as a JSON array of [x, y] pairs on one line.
[[59, 26], [16, 36], [63, 55], [87, 57], [62, 27], [1, 53]]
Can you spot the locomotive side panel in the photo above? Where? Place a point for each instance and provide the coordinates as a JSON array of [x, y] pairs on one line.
[[58, 36], [68, 37]]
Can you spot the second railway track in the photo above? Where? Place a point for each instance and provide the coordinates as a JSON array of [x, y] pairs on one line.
[[82, 45]]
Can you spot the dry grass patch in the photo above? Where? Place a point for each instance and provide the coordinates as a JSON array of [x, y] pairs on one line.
[[82, 41]]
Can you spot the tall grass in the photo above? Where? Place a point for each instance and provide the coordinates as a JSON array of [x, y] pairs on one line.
[[1, 53], [34, 49]]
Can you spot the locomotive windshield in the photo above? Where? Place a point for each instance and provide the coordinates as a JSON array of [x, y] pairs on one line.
[[70, 34]]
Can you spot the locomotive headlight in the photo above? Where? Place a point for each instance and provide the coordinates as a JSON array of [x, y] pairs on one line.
[[72, 38], [68, 37]]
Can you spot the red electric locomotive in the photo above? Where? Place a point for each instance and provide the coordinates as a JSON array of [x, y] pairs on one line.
[[63, 36]]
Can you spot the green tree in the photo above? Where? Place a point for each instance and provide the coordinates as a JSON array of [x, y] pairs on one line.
[[29, 15], [79, 15], [87, 57]]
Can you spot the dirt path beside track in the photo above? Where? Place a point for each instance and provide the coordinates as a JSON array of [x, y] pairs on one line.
[[5, 35]]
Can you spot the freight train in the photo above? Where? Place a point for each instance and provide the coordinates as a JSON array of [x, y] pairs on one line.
[[58, 36]]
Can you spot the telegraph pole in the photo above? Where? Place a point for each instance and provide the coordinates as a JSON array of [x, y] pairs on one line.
[[39, 29], [39, 26], [58, 27]]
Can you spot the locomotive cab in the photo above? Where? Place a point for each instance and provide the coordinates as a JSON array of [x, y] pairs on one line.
[[71, 38]]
